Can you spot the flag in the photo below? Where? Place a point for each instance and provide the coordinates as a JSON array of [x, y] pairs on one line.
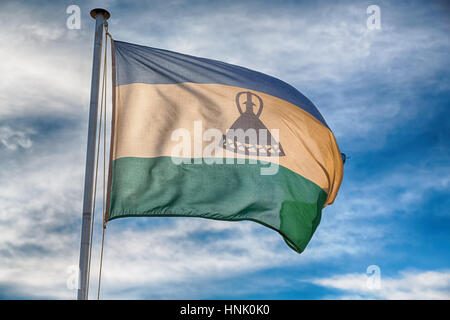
[[196, 137]]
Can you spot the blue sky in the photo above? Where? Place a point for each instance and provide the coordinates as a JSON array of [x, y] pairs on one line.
[[384, 93]]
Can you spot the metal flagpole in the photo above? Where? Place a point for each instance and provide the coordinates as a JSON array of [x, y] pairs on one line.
[[100, 16]]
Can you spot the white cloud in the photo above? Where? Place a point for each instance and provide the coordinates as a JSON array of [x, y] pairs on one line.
[[45, 67], [12, 139], [411, 185], [408, 285], [172, 255]]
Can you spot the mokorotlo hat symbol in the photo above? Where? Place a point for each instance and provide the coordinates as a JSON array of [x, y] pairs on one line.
[[248, 135]]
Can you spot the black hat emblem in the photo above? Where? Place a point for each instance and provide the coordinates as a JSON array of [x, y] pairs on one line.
[[263, 143]]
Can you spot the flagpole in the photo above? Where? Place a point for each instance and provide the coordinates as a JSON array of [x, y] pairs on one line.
[[100, 16]]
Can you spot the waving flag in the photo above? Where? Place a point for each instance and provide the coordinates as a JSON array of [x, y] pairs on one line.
[[203, 138]]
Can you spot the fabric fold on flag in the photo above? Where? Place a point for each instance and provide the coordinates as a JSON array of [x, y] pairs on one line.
[[196, 137]]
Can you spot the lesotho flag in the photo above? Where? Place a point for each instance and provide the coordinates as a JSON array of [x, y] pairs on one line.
[[196, 137]]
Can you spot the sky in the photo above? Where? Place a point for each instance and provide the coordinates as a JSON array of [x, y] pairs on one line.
[[384, 93]]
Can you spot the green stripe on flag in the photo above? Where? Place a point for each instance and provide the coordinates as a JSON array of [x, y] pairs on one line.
[[286, 201]]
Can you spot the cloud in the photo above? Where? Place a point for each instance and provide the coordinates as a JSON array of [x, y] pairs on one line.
[[408, 285], [45, 66], [12, 139], [411, 184], [179, 254]]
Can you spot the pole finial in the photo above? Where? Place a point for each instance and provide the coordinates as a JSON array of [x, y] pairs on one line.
[[104, 12]]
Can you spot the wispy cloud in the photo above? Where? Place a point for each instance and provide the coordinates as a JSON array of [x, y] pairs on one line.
[[45, 66], [12, 139], [408, 285]]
